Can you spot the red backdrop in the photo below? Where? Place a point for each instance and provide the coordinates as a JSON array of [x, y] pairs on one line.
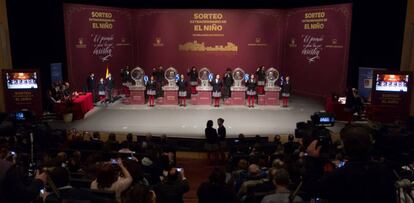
[[213, 38], [96, 38], [316, 48]]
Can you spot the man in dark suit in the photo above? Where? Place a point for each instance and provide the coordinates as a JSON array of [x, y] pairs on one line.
[[110, 84], [159, 78], [261, 78], [193, 74], [228, 82], [90, 85]]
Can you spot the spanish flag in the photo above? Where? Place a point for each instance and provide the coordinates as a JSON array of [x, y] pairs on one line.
[[107, 71]]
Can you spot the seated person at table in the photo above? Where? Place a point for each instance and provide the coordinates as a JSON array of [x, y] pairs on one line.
[[67, 90]]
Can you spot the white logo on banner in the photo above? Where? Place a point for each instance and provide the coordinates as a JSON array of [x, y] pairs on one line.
[[102, 46], [312, 47]]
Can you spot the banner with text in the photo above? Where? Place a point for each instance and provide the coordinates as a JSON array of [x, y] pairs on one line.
[[98, 37], [316, 48], [216, 39]]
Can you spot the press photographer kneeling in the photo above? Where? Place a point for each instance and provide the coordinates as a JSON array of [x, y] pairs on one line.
[[359, 180]]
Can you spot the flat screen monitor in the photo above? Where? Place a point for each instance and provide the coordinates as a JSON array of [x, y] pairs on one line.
[[22, 80], [392, 82]]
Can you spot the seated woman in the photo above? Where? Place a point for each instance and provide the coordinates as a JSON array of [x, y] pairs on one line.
[[107, 179]]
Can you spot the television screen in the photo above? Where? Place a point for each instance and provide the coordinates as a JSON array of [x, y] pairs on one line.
[[21, 80], [391, 83]]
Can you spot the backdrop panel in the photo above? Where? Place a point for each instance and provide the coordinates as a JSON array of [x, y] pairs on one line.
[[96, 38], [317, 41], [216, 39], [309, 44]]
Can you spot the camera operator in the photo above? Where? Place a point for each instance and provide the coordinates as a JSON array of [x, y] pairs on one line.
[[359, 180], [13, 186]]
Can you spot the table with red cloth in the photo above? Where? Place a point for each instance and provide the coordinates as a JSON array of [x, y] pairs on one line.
[[81, 105]]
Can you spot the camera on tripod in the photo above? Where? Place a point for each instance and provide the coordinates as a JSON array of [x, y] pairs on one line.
[[315, 129]]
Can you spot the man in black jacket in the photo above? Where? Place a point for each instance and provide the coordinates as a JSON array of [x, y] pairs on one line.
[[110, 84], [228, 82], [193, 74], [359, 180], [173, 187], [90, 84]]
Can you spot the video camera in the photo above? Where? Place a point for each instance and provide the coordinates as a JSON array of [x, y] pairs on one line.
[[315, 129], [22, 116], [323, 119]]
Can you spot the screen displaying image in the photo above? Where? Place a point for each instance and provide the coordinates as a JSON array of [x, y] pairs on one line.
[[21, 80], [391, 83]]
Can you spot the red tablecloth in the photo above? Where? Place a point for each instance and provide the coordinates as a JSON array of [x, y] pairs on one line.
[[81, 105]]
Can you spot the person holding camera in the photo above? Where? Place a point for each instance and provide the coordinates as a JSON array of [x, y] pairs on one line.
[[359, 180], [14, 187], [108, 180], [173, 187]]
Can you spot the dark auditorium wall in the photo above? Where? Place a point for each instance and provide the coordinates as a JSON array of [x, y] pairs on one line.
[[37, 31]]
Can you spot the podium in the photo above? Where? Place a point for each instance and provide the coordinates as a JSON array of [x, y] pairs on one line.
[[238, 95], [170, 95], [203, 96], [272, 96], [261, 99], [136, 95]]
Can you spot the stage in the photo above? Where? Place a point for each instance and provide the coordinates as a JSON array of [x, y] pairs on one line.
[[190, 121]]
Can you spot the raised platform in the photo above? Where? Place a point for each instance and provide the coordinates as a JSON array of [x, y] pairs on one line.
[[190, 121]]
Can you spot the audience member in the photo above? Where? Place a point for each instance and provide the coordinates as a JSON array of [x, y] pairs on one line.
[[107, 179], [253, 177], [15, 188], [140, 194], [173, 187], [282, 195], [64, 192], [359, 180], [290, 146], [216, 190]]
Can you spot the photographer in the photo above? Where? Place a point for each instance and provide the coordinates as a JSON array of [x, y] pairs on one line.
[[173, 187], [14, 188], [107, 179], [359, 180]]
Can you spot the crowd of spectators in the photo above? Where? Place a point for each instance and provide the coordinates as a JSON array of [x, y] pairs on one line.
[[88, 168], [144, 169], [294, 171]]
